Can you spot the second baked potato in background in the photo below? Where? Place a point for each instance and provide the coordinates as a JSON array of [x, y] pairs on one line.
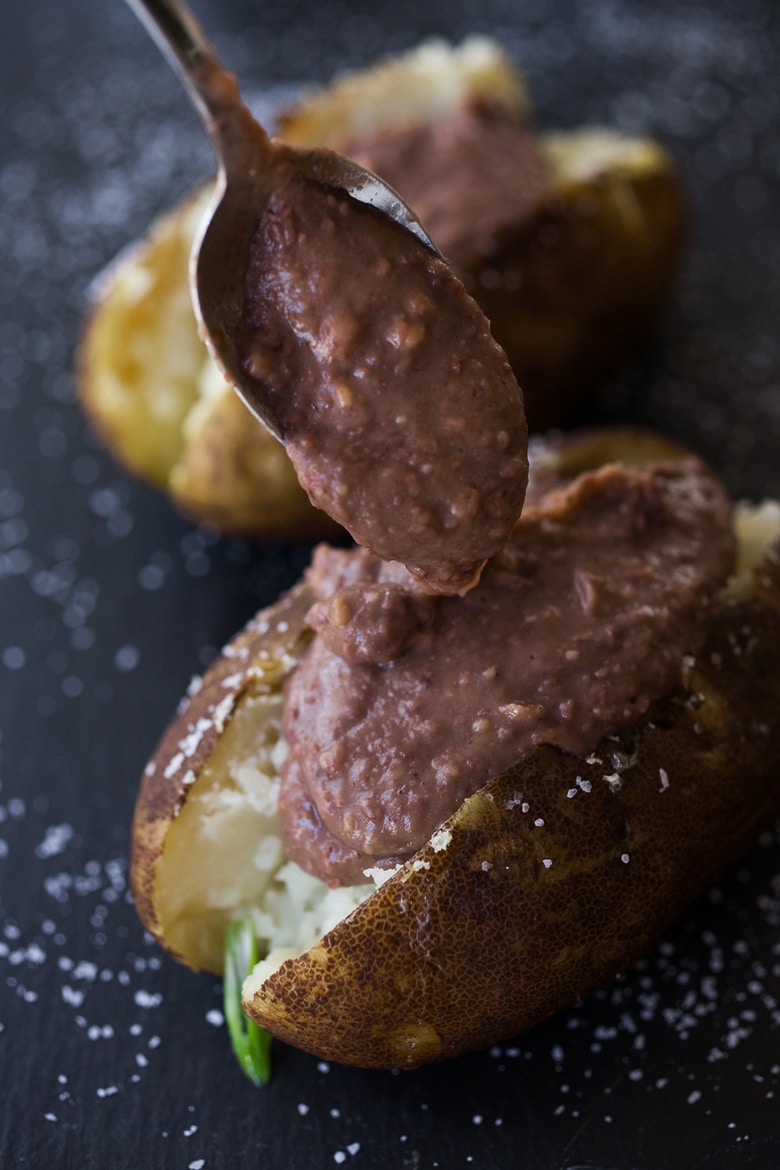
[[569, 251], [567, 288]]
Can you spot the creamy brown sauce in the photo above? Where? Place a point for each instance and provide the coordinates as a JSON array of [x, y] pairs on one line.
[[471, 177], [404, 705], [398, 409]]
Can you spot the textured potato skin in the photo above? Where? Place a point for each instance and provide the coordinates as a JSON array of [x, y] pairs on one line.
[[474, 942]]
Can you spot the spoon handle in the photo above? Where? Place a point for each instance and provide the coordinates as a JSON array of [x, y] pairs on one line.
[[211, 88]]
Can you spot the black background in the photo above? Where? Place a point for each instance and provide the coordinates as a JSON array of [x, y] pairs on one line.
[[110, 1054]]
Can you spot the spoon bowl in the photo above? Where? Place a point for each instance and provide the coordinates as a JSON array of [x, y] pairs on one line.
[[246, 177]]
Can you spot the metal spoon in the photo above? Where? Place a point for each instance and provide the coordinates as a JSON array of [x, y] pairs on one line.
[[246, 157]]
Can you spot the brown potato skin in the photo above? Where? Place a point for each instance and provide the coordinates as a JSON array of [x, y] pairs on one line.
[[471, 944]]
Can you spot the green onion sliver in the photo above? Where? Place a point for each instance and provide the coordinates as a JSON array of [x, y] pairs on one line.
[[251, 1043]]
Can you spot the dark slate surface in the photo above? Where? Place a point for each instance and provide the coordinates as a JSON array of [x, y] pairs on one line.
[[110, 1054]]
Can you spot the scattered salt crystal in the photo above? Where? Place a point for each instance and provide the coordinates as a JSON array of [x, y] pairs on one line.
[[191, 742], [173, 765], [441, 840], [147, 999], [222, 711], [127, 658]]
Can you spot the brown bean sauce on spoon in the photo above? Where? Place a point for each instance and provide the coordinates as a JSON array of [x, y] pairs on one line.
[[398, 409]]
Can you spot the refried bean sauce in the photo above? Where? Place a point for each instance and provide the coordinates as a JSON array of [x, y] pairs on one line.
[[398, 410], [405, 704]]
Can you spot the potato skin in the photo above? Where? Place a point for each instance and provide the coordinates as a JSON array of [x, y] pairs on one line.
[[471, 943]]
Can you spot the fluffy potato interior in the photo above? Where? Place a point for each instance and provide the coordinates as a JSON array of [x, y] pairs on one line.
[[223, 855], [420, 86], [584, 154], [142, 359]]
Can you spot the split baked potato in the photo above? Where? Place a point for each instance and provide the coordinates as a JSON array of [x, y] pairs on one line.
[[544, 884], [567, 289]]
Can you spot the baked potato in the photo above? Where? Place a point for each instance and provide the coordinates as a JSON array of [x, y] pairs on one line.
[[545, 883], [566, 289]]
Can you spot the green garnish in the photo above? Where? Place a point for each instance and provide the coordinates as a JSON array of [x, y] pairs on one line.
[[251, 1043]]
